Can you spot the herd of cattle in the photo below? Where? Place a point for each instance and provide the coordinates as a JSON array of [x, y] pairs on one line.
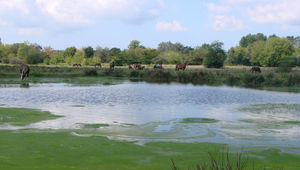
[[24, 69]]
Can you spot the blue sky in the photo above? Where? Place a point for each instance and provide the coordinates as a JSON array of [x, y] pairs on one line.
[[114, 23]]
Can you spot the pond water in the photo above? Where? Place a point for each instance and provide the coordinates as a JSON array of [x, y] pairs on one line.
[[142, 112]]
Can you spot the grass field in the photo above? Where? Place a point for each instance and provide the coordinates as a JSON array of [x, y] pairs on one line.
[[269, 79], [61, 149]]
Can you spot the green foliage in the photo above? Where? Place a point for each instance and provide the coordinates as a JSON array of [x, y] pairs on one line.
[[238, 56], [256, 52], [135, 44], [103, 54], [251, 38], [275, 50], [88, 52], [70, 52], [198, 55], [288, 63], [216, 55], [29, 53], [57, 57]]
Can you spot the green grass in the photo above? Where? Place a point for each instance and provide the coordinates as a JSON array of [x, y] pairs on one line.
[[22, 117], [78, 105], [61, 149], [198, 120], [269, 79], [95, 126]]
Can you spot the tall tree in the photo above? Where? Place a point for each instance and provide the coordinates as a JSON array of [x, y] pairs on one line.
[[88, 52], [216, 55], [238, 56], [134, 44], [70, 51], [251, 38], [277, 49]]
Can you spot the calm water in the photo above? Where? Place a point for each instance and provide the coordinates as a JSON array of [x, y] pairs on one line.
[[245, 117]]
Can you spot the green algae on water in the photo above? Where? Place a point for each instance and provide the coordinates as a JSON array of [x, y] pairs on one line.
[[198, 120], [23, 117]]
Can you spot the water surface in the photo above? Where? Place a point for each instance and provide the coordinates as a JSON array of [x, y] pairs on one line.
[[142, 112]]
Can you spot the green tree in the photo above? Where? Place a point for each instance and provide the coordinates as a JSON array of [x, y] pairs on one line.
[[29, 53], [198, 55], [251, 38], [216, 55], [135, 44], [277, 49], [256, 52], [103, 54], [88, 52], [148, 55], [294, 40], [70, 51], [57, 57], [238, 56]]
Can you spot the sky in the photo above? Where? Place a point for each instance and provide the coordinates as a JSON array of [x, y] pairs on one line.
[[114, 23]]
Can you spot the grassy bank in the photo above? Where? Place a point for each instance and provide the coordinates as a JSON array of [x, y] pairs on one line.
[[269, 79], [61, 149]]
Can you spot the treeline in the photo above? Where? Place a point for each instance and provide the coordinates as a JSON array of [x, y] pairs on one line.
[[253, 49]]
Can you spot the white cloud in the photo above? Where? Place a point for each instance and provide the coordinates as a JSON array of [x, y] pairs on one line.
[[276, 12], [218, 8], [31, 31], [174, 26], [89, 11], [20, 5], [284, 13], [228, 23]]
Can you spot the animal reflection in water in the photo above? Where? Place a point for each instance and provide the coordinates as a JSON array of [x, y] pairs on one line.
[[255, 69], [24, 71], [181, 66], [24, 85]]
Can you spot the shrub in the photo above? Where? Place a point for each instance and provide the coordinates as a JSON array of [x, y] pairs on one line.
[[90, 72]]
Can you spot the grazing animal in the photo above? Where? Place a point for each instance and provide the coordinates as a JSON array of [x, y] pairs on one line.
[[140, 67], [255, 69], [181, 66], [130, 67], [98, 64], [158, 66], [24, 71], [76, 65], [112, 65]]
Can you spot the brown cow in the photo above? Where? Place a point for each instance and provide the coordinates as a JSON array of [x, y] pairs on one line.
[[98, 64], [255, 69], [181, 66]]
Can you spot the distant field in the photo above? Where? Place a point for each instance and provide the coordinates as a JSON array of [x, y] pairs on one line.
[[269, 78]]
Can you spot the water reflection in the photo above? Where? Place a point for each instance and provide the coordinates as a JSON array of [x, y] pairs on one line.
[[244, 116]]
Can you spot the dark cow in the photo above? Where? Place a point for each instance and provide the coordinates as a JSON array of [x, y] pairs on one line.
[[76, 65], [24, 71], [181, 66], [255, 69], [140, 67], [98, 64], [112, 65], [158, 66]]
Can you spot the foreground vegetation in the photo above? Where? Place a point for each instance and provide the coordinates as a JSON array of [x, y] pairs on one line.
[[61, 149], [269, 79]]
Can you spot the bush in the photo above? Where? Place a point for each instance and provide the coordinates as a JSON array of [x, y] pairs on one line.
[[90, 72], [215, 57], [286, 64], [14, 60]]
